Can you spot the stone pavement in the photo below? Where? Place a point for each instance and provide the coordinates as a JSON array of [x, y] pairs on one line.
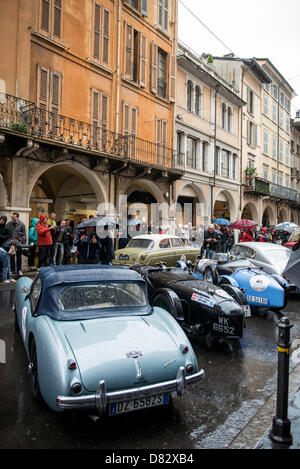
[[255, 435]]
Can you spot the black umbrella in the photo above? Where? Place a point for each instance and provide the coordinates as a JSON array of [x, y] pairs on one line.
[[98, 221], [292, 269]]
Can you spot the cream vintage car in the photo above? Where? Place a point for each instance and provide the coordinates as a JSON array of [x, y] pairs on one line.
[[154, 248]]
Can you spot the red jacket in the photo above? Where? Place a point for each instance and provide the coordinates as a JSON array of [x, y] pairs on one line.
[[44, 237], [246, 237]]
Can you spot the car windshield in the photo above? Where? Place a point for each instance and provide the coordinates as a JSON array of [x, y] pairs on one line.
[[102, 296], [141, 243]]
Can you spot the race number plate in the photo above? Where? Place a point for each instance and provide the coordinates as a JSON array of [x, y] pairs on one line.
[[258, 299], [247, 311], [140, 403]]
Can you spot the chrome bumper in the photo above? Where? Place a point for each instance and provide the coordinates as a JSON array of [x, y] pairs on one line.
[[101, 399]]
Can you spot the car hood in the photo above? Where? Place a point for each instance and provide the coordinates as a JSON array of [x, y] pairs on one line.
[[125, 352]]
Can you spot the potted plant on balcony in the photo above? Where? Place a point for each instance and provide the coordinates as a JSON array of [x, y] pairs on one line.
[[250, 173]]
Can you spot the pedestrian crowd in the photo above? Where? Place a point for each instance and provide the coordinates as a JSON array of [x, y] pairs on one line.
[[58, 243], [51, 243]]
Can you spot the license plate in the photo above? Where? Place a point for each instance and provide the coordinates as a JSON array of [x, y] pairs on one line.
[[140, 403], [124, 257], [258, 299], [247, 311]]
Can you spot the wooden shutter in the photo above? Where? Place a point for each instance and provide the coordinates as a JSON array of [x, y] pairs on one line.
[[105, 37], [172, 78], [125, 119], [128, 67], [143, 60], [57, 16], [95, 107], [97, 31], [133, 131], [104, 111], [255, 135], [249, 133], [55, 92], [45, 16], [43, 87], [154, 67]]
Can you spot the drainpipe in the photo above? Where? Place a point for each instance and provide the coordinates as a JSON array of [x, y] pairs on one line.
[[118, 69], [241, 159], [215, 159]]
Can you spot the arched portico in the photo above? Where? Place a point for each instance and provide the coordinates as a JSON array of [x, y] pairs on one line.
[[191, 204], [250, 211], [225, 206]]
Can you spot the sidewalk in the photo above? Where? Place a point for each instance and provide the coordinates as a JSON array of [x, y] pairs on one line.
[[255, 435]]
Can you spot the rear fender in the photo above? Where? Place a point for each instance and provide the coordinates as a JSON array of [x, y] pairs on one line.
[[176, 303], [230, 280]]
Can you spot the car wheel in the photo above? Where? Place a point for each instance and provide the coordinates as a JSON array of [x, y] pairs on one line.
[[210, 275], [34, 380], [235, 293], [163, 301]]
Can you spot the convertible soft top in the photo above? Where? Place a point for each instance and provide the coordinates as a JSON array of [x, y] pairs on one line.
[[77, 273], [55, 278]]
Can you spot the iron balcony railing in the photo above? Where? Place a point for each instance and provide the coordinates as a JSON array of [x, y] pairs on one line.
[[23, 116], [267, 188]]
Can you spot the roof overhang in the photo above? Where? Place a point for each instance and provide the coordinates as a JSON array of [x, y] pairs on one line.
[[195, 69]]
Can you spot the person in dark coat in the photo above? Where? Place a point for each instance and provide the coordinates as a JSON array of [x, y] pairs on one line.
[[88, 247], [5, 232], [107, 250]]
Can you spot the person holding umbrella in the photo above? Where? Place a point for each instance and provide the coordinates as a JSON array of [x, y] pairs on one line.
[[246, 236]]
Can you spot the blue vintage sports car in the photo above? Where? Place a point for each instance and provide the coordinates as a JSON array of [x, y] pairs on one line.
[[95, 344], [261, 289]]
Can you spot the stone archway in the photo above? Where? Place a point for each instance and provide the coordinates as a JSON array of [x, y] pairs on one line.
[[191, 204], [225, 205], [282, 215], [268, 217], [68, 188], [250, 211], [143, 198]]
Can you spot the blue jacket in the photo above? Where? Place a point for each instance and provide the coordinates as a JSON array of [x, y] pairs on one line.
[[32, 238]]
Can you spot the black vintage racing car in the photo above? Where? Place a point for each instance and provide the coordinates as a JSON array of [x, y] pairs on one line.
[[213, 313]]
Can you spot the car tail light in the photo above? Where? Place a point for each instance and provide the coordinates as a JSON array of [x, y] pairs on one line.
[[76, 388], [189, 368], [184, 348], [142, 258], [72, 365]]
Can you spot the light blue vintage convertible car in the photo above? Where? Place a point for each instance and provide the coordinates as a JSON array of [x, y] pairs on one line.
[[95, 344], [262, 290]]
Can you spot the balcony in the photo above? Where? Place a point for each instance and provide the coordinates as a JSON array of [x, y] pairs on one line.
[[23, 118], [261, 187]]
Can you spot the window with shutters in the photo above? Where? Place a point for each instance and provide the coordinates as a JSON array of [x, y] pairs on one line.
[[101, 32], [49, 99], [135, 59], [161, 141], [130, 115], [250, 101], [163, 14], [140, 5], [162, 75], [252, 134], [51, 18], [99, 119], [197, 100]]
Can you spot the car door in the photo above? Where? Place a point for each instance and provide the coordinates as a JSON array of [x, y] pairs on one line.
[[164, 253], [178, 249], [30, 305]]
